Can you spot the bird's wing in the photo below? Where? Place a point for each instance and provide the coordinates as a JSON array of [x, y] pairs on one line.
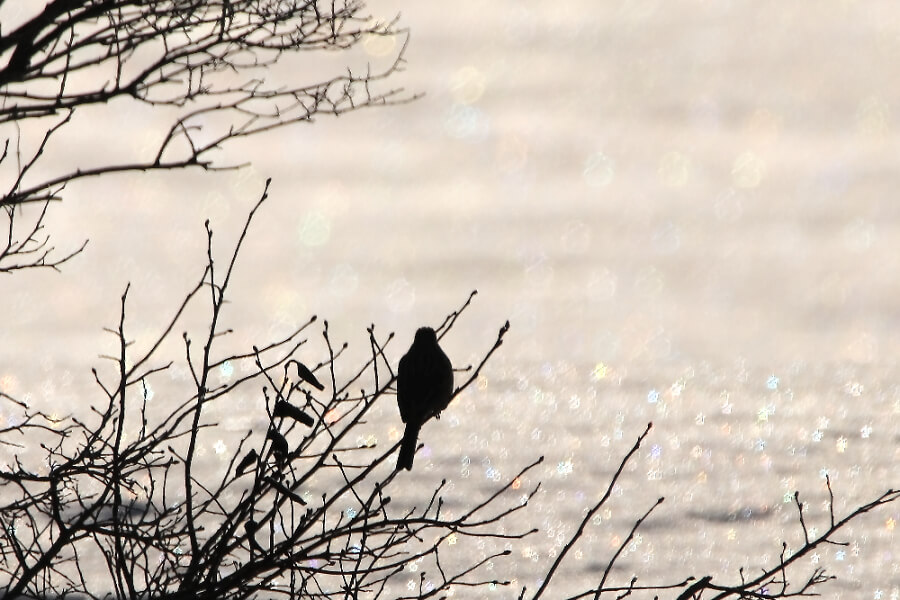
[[447, 376], [403, 391], [442, 377]]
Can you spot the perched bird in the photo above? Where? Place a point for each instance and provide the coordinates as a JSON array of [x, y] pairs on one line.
[[247, 461], [279, 445], [306, 375], [424, 388], [283, 408]]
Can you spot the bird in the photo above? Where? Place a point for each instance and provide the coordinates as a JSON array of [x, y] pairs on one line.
[[305, 374], [283, 408], [247, 461], [424, 389], [279, 445]]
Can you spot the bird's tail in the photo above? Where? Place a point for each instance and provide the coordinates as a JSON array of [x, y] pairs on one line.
[[408, 447]]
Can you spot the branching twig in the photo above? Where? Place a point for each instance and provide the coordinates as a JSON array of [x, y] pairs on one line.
[[178, 55]]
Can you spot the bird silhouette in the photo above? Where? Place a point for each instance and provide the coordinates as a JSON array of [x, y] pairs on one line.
[[279, 445], [424, 388], [250, 458], [283, 408], [305, 374]]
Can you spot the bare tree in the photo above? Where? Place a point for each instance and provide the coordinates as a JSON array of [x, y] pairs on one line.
[[206, 61]]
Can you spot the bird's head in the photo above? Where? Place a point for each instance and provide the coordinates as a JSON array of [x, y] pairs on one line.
[[425, 335]]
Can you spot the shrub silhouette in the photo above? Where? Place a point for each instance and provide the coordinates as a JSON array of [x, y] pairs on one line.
[[301, 509]]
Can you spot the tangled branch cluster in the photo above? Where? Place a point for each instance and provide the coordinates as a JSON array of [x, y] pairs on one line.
[[202, 58], [128, 486], [300, 509]]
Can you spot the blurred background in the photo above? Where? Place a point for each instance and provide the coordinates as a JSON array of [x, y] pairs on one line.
[[687, 211]]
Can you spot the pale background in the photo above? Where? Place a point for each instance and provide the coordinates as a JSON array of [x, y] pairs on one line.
[[687, 210]]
